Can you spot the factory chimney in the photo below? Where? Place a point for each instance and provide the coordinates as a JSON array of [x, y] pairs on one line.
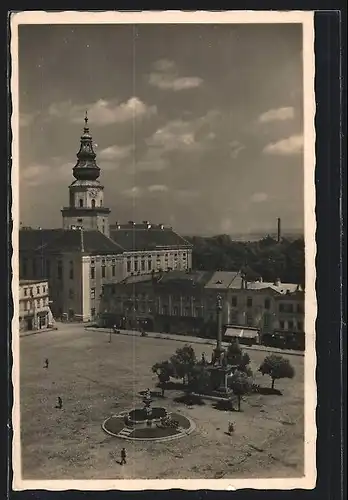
[[279, 230]]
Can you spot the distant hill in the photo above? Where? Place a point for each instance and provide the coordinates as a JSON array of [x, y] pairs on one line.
[[292, 234]]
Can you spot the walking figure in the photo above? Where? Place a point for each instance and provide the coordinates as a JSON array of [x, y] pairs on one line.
[[230, 427], [203, 358], [123, 456], [46, 363], [60, 403]]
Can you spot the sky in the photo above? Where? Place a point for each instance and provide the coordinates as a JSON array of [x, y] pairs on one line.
[[195, 126]]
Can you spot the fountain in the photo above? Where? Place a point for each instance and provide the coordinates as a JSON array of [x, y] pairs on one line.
[[148, 423]]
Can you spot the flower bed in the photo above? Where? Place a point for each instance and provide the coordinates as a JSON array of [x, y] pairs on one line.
[[140, 415], [153, 432], [117, 427]]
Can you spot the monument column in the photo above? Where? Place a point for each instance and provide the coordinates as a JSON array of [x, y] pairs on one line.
[[219, 349]]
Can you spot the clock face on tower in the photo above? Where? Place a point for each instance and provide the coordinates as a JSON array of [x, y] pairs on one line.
[[93, 193]]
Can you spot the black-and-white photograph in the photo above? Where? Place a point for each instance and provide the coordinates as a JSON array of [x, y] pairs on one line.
[[163, 187]]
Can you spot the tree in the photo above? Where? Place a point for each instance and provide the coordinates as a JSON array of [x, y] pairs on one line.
[[240, 384], [163, 371], [183, 362], [244, 362], [200, 379], [234, 353], [277, 367]]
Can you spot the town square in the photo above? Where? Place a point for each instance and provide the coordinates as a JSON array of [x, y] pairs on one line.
[[97, 378], [164, 324]]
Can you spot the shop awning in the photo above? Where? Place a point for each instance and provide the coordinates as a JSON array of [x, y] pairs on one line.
[[245, 333]]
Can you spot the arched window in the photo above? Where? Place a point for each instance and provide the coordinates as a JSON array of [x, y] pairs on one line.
[[93, 203], [80, 202], [101, 203]]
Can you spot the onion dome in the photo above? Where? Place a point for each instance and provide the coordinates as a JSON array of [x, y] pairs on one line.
[[86, 167]]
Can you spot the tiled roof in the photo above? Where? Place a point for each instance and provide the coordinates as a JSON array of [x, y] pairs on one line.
[[224, 280], [138, 237], [172, 278], [141, 278], [281, 288], [31, 282], [68, 240], [192, 278]]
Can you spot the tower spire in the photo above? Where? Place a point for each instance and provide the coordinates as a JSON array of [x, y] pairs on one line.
[[86, 167], [86, 129]]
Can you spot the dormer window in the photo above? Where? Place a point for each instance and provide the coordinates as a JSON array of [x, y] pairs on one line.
[[93, 203], [80, 202]]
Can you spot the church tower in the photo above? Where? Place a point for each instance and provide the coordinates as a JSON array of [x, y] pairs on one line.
[[86, 194]]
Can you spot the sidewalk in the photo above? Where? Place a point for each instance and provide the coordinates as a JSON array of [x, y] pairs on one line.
[[37, 332], [188, 339]]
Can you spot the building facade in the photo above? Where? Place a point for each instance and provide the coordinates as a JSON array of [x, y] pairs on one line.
[[87, 252], [151, 247], [34, 305], [185, 302], [75, 263]]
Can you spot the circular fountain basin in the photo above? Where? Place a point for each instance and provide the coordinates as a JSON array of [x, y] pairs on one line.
[[141, 416]]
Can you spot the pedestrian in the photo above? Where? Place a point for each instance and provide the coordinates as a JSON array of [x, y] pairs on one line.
[[60, 403], [230, 428], [46, 363], [123, 456]]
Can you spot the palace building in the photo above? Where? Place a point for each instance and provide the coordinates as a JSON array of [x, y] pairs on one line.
[[88, 252]]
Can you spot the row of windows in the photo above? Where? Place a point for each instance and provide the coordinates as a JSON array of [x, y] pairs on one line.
[[187, 311], [103, 271], [28, 304], [291, 325], [93, 203], [234, 302], [290, 308], [178, 298], [29, 291], [158, 256]]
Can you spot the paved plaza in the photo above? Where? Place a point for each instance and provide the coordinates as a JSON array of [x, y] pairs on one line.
[[96, 379]]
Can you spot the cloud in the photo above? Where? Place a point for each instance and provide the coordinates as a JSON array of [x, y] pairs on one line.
[[280, 114], [166, 77], [235, 148], [152, 161], [102, 112], [115, 152], [177, 134], [164, 65], [40, 174], [157, 188], [258, 197], [285, 147], [184, 135], [133, 192]]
